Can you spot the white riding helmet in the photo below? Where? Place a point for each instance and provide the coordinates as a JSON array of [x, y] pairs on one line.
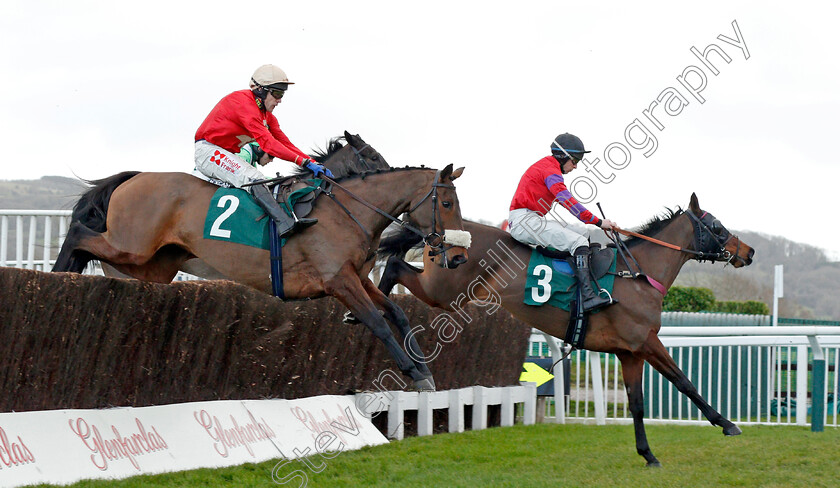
[[270, 76]]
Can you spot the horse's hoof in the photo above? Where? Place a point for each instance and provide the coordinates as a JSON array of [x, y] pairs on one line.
[[426, 384], [732, 430], [349, 318], [654, 464]]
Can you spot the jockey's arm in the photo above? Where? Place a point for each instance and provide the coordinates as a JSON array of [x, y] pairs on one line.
[[270, 143], [566, 200]]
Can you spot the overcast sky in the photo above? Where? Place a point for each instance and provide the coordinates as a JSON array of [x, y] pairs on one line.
[[94, 88]]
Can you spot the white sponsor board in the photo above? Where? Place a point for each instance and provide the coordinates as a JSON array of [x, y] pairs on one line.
[[63, 446]]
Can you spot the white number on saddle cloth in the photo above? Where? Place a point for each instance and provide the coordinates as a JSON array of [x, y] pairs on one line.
[[216, 230], [543, 293]]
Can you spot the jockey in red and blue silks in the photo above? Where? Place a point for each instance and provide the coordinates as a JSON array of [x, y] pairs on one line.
[[541, 186], [243, 117]]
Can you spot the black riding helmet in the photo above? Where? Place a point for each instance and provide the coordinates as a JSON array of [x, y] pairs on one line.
[[567, 145]]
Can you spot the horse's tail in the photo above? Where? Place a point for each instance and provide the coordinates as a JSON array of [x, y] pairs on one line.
[[92, 208], [89, 215], [398, 244]]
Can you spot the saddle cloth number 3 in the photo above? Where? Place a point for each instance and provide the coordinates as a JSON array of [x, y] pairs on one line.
[[542, 292]]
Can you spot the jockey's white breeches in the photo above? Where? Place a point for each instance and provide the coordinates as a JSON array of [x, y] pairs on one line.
[[534, 228], [215, 162]]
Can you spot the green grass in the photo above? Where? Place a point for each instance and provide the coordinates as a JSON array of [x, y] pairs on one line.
[[556, 455]]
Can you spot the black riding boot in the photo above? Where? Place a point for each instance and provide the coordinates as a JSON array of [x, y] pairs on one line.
[[591, 300], [285, 223]]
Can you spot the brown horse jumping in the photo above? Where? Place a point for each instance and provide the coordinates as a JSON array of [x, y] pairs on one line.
[[496, 273], [150, 225]]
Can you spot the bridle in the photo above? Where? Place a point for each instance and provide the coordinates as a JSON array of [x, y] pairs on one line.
[[707, 245], [433, 239]]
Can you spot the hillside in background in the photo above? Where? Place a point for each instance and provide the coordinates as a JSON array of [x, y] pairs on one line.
[[811, 281], [811, 284], [48, 193]]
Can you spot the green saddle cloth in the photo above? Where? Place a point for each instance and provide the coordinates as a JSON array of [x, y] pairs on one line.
[[552, 281], [234, 216]]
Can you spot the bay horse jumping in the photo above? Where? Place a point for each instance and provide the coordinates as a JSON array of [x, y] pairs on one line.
[[627, 329], [150, 225]]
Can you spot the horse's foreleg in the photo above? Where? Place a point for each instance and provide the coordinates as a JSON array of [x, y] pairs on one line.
[[347, 287], [658, 357], [397, 272], [396, 316], [632, 368]]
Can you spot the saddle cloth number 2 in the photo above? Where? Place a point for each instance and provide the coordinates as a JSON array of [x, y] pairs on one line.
[[216, 230]]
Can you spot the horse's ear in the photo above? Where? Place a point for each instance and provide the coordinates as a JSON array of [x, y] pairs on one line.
[[446, 172], [353, 140], [694, 205], [457, 173]]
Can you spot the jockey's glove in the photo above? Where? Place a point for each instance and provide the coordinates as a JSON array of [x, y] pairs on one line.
[[316, 168]]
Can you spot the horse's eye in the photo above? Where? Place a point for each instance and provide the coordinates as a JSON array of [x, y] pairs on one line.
[[717, 227], [446, 204]]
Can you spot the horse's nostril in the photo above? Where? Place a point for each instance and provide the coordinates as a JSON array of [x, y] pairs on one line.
[[457, 261]]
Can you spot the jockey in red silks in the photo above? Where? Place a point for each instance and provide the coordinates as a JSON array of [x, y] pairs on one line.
[[542, 185], [239, 119]]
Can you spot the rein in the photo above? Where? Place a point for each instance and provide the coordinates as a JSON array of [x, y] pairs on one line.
[[368, 205], [700, 255], [701, 233], [433, 239], [630, 233]]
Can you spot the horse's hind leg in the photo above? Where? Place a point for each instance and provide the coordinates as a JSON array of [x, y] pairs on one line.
[[347, 288], [632, 368], [658, 357], [71, 258], [395, 315], [83, 244]]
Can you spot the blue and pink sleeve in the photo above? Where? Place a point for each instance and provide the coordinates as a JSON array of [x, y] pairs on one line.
[[564, 197]]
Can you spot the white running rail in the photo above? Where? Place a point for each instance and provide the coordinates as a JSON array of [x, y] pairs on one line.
[[43, 231], [749, 374]]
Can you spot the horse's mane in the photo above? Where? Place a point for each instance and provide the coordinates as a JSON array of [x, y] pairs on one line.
[[347, 168], [654, 225], [388, 169], [333, 146]]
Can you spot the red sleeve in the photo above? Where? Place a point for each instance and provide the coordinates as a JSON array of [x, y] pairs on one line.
[[251, 118], [278, 134]]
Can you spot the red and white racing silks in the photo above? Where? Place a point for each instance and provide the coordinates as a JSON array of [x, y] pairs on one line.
[[237, 120]]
